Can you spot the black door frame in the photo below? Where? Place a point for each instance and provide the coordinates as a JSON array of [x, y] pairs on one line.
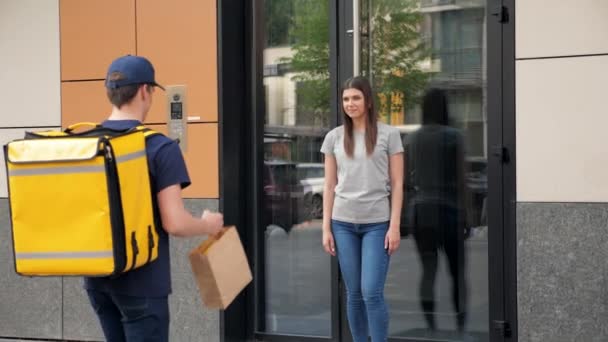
[[240, 65], [502, 202], [241, 107], [236, 52]]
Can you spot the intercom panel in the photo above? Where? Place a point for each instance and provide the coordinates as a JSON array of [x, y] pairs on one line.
[[177, 121]]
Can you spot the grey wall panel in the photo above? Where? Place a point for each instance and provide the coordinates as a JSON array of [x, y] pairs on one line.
[[29, 307], [190, 320], [79, 320], [562, 272], [32, 307]]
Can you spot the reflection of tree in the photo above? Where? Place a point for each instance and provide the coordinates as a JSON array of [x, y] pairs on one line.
[[278, 17], [397, 51], [310, 61]]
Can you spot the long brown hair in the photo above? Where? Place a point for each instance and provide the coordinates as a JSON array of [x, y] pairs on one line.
[[371, 129]]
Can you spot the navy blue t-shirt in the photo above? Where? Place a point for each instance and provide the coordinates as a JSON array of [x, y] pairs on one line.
[[167, 167]]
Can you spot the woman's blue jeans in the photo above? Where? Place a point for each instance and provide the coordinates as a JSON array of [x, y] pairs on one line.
[[364, 265]]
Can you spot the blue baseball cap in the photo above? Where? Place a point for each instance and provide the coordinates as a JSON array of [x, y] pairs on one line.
[[130, 69]]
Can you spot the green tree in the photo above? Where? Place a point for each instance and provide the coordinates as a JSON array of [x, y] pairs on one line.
[[278, 21], [393, 51]]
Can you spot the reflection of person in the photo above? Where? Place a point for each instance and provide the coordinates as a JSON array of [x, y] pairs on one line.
[[436, 206], [134, 305], [363, 163]]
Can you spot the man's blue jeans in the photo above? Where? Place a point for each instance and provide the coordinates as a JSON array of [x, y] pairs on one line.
[[131, 319], [364, 265]]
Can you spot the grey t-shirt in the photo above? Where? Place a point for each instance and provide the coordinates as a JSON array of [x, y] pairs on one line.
[[363, 189]]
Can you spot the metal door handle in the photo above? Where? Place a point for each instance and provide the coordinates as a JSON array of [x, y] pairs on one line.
[[356, 38]]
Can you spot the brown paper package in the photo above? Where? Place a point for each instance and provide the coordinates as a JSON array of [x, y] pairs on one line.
[[220, 268]]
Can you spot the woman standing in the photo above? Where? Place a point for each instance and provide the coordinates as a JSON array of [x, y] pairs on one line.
[[363, 168]]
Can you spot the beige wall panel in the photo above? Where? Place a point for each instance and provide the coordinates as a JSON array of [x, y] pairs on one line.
[[561, 130], [180, 37], [29, 60], [84, 101], [7, 135], [202, 159], [93, 33], [558, 28]]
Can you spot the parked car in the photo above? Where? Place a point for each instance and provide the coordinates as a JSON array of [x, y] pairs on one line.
[[282, 193], [312, 179]]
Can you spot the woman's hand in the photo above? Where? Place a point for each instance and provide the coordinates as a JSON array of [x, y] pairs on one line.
[[392, 239], [328, 242]]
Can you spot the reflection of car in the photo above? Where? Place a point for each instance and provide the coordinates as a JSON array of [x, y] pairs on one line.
[[281, 193], [312, 179]]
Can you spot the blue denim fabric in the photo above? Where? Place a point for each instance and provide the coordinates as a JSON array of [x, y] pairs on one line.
[[131, 319], [364, 265]]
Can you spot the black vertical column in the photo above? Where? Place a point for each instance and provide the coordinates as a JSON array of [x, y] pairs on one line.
[[501, 170], [509, 168], [234, 99], [495, 169]]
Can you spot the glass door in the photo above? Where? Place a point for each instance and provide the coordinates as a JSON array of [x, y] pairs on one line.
[[298, 280], [438, 283], [437, 287]]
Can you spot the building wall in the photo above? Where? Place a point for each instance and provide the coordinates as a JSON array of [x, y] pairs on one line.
[[562, 192], [55, 54], [179, 38]]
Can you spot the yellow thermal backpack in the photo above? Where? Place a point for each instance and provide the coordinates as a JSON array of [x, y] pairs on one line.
[[81, 202]]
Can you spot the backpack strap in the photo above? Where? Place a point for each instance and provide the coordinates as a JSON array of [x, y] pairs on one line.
[[75, 126], [148, 132]]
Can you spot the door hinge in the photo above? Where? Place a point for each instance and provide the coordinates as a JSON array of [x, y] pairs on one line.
[[502, 327], [501, 13], [502, 153]]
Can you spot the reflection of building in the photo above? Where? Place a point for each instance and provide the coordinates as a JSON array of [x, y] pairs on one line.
[[279, 87], [293, 131], [287, 99]]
